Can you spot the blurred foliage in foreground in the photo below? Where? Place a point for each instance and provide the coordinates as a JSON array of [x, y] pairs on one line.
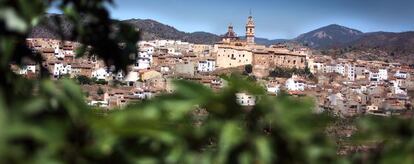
[[42, 121]]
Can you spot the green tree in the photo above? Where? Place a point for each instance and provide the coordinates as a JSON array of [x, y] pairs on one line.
[[83, 79], [248, 69], [100, 81], [307, 71], [100, 91], [45, 121]]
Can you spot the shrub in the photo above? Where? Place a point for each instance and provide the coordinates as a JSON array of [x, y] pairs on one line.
[[248, 68], [48, 121], [81, 79]]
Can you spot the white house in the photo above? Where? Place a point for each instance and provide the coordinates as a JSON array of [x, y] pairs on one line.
[[143, 61], [60, 69], [59, 53], [100, 74], [329, 68], [165, 69], [146, 55], [27, 68], [173, 51], [401, 74], [99, 103], [374, 77], [219, 82], [383, 74], [362, 89], [340, 69], [378, 75], [131, 77], [396, 87], [315, 65], [274, 89], [245, 99], [208, 65], [68, 52], [351, 72], [294, 84], [371, 108], [119, 76], [142, 93], [147, 49]]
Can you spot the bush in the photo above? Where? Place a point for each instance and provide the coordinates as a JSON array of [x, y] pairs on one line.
[[288, 72], [100, 91], [248, 69], [100, 81], [81, 79], [48, 121]]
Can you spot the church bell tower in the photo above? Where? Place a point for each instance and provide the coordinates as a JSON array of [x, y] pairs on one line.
[[250, 30]]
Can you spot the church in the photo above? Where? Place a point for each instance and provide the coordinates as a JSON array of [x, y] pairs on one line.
[[233, 51], [231, 37]]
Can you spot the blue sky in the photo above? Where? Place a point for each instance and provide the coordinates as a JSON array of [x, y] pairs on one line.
[[274, 18]]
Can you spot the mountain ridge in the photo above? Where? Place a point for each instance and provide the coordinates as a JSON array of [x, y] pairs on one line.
[[329, 36], [334, 36], [150, 30]]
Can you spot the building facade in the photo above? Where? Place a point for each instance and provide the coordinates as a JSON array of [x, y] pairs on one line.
[[233, 56], [208, 65]]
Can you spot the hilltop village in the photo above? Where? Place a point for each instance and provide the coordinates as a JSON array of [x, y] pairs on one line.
[[344, 86]]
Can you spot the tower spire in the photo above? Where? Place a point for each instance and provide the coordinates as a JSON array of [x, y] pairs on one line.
[[230, 28], [250, 29]]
